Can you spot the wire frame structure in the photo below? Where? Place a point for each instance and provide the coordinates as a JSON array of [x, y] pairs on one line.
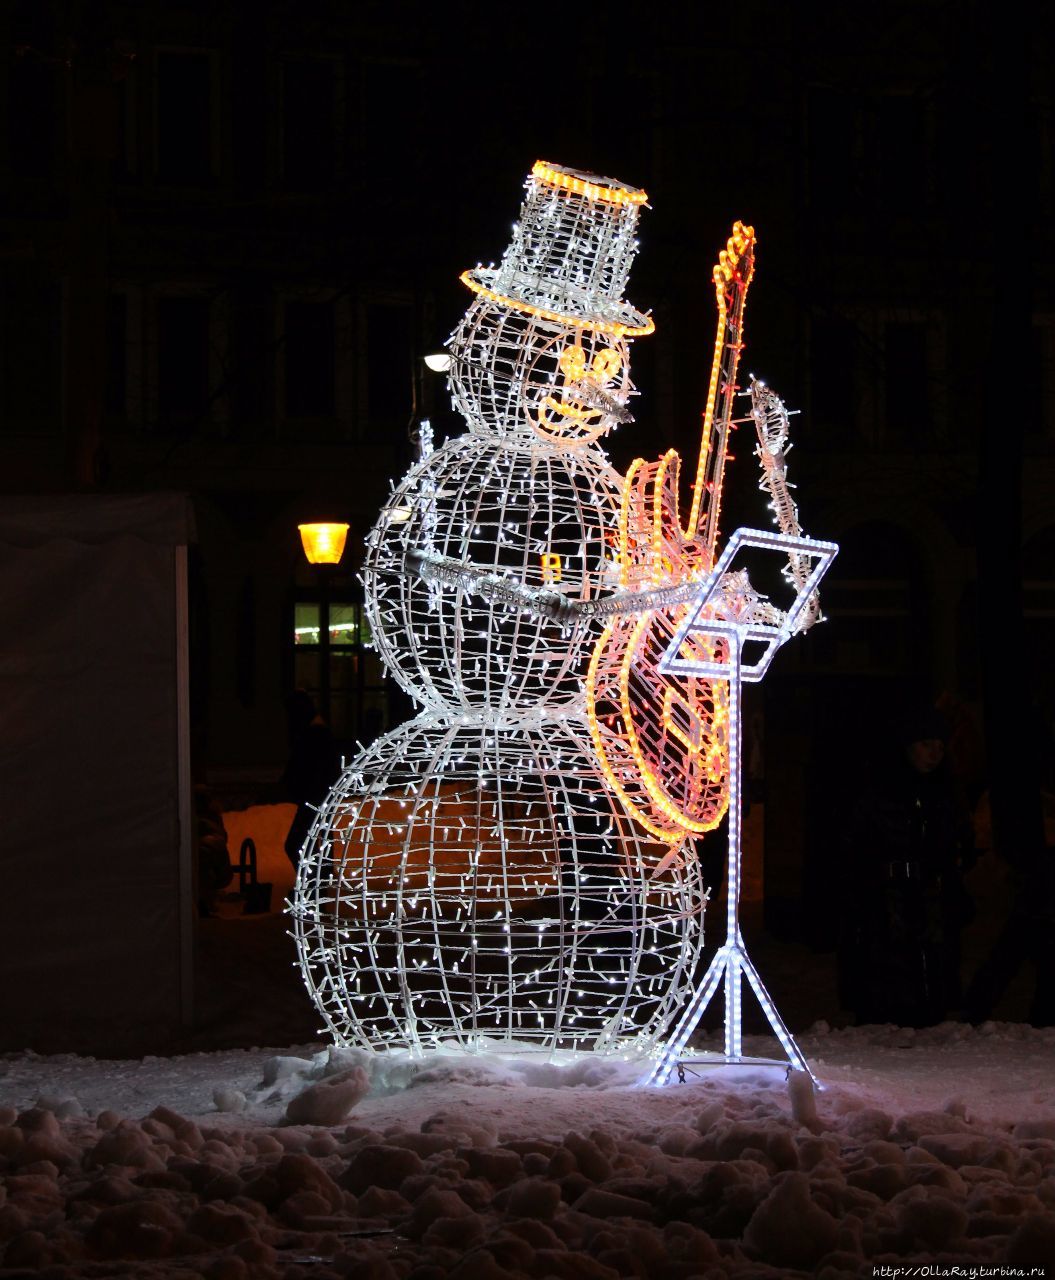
[[664, 745], [517, 373], [471, 880], [571, 252], [731, 612], [478, 887], [544, 348], [527, 509]]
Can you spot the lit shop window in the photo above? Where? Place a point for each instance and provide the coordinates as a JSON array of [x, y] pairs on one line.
[[334, 662]]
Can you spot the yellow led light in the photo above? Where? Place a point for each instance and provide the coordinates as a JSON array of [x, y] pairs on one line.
[[572, 362], [581, 185], [651, 538], [574, 412], [323, 543], [550, 566], [739, 248], [614, 327]]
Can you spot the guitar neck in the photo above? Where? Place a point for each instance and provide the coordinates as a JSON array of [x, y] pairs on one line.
[[732, 276]]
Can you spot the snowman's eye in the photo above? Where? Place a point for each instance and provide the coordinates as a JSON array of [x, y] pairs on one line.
[[573, 362], [606, 363]]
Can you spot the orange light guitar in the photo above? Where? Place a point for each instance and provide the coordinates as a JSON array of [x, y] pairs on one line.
[[662, 743]]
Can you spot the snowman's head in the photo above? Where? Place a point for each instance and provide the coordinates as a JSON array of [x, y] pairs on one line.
[[544, 348], [521, 375]]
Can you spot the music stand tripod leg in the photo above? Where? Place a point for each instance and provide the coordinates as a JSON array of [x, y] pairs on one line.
[[689, 1020], [780, 1030]]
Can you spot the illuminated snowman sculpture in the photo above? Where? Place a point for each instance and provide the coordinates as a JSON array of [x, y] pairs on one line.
[[473, 880]]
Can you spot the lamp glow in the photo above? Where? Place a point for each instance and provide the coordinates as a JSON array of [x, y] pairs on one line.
[[323, 543]]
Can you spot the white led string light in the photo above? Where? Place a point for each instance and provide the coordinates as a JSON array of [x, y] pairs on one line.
[[729, 620], [471, 880], [515, 868]]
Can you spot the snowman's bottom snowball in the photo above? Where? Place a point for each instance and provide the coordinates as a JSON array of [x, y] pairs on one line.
[[478, 886]]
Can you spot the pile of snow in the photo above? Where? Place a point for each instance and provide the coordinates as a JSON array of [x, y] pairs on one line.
[[932, 1148]]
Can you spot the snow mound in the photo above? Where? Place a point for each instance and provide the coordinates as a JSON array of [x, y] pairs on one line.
[[923, 1149]]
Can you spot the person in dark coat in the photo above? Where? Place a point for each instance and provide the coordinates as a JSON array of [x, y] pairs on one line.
[[907, 841], [312, 769]]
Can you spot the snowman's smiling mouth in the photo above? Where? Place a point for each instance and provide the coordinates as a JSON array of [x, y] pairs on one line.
[[579, 413], [586, 407]]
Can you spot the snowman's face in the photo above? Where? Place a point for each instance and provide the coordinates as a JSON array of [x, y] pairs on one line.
[[584, 403], [518, 374]]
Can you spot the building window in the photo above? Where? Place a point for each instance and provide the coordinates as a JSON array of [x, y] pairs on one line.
[[30, 356], [310, 127], [332, 661], [392, 117], [184, 120], [901, 127], [833, 408], [390, 368], [833, 127], [880, 624], [182, 362], [1037, 381], [309, 359], [115, 391], [906, 381], [125, 164], [33, 114]]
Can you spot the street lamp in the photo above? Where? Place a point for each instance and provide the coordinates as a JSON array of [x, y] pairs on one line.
[[323, 545]]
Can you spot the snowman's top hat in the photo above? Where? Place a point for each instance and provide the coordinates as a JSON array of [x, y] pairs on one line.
[[571, 253]]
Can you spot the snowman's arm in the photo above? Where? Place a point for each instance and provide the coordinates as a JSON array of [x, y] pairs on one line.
[[491, 586], [551, 604]]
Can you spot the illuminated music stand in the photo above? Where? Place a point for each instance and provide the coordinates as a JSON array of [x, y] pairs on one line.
[[711, 621]]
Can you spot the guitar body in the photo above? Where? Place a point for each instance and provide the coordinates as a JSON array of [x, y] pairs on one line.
[[663, 743]]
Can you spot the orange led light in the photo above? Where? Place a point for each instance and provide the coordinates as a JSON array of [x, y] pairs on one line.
[[739, 247], [672, 795], [566, 410], [582, 186], [671, 834], [671, 779], [614, 327], [659, 774]]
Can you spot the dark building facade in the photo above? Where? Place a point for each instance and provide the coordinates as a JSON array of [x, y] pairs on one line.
[[231, 232]]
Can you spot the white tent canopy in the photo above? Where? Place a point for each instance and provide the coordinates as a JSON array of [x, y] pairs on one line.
[[96, 912]]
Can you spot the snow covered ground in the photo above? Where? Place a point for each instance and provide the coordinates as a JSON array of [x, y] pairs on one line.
[[933, 1148]]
